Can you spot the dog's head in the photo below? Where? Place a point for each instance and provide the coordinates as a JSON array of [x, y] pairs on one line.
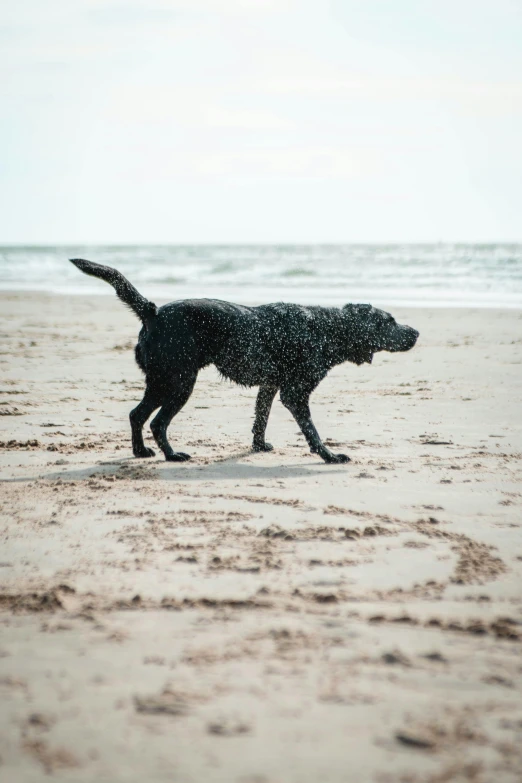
[[373, 330]]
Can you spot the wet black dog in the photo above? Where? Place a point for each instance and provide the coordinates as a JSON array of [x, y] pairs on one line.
[[278, 347]]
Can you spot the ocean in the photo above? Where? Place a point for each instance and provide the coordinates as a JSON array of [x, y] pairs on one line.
[[434, 275]]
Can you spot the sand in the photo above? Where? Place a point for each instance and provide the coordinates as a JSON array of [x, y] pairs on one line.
[[260, 618]]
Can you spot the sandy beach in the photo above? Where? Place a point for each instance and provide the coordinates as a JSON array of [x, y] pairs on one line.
[[260, 618]]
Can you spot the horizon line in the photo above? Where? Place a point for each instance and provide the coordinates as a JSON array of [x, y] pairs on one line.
[[265, 243]]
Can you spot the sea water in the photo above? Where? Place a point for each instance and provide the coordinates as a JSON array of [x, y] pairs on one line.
[[435, 275]]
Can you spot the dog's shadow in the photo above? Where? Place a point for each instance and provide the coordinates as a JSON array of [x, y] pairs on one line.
[[225, 468]]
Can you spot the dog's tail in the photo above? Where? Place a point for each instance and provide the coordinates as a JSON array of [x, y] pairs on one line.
[[144, 309]]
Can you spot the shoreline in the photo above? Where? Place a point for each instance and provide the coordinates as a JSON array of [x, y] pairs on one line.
[[260, 617], [296, 295]]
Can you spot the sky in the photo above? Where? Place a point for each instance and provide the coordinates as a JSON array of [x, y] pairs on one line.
[[274, 121]]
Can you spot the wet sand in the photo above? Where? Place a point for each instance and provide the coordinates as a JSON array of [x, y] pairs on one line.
[[260, 618]]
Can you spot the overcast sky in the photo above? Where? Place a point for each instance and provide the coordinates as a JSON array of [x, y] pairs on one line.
[[260, 120]]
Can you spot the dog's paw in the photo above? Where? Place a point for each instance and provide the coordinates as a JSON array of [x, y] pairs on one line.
[[262, 447], [177, 456], [145, 452], [335, 459]]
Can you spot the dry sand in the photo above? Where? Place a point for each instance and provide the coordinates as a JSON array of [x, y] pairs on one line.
[[260, 618]]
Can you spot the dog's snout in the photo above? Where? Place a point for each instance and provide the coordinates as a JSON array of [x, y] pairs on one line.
[[408, 338], [412, 337]]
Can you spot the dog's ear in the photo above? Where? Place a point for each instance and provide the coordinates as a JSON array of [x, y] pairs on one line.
[[358, 308]]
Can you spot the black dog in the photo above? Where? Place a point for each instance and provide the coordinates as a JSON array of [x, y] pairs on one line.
[[278, 347]]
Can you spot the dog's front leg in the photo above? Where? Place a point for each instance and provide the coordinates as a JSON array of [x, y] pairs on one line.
[[300, 410], [265, 398]]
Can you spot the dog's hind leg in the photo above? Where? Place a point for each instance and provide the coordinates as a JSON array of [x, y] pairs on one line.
[[172, 405], [138, 416], [298, 406], [265, 398]]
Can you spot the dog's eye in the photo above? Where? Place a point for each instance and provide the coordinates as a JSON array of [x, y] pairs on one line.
[[386, 322]]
